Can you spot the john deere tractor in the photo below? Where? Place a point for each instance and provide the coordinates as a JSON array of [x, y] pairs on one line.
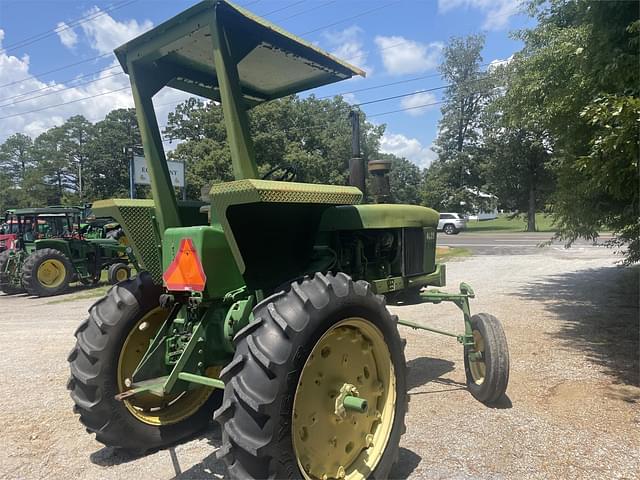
[[264, 307], [49, 252]]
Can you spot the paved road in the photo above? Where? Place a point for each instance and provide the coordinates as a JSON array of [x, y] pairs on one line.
[[513, 243]]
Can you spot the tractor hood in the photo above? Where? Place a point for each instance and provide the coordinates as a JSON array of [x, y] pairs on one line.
[[271, 63]]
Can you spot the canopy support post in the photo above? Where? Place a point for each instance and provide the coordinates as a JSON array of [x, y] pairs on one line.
[[144, 85], [235, 111]]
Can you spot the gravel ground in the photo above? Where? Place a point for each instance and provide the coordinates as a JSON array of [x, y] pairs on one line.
[[572, 411]]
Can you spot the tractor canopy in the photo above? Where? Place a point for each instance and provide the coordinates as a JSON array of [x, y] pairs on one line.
[[225, 53], [270, 62]]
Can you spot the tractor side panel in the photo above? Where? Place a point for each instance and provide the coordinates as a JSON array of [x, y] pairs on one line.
[[391, 246], [215, 255], [137, 218], [61, 245]]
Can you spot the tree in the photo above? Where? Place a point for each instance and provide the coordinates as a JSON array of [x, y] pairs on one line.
[[313, 135], [107, 170], [515, 153], [15, 157], [577, 82], [77, 134], [406, 180], [458, 166], [51, 163]]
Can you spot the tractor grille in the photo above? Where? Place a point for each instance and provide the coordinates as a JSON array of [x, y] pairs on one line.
[[419, 250], [413, 251], [429, 250], [140, 230]]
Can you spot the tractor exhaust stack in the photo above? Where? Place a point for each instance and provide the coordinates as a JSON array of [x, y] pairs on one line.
[[356, 164]]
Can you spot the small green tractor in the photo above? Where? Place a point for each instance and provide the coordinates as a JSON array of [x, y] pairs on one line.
[[266, 306], [49, 252]]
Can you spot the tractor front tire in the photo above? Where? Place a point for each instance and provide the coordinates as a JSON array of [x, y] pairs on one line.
[[486, 363], [112, 340], [46, 272], [118, 272], [5, 283], [308, 346]]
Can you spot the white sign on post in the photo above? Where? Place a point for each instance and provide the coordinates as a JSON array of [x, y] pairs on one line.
[[141, 174]]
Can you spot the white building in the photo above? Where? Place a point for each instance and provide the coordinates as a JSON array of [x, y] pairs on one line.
[[484, 207]]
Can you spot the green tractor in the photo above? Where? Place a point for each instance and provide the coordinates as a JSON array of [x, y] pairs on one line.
[[266, 306], [49, 253]]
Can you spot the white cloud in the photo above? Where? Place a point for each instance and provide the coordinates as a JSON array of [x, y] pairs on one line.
[[105, 33], [497, 12], [347, 45], [108, 92], [68, 37], [415, 101], [350, 98], [401, 56], [409, 148]]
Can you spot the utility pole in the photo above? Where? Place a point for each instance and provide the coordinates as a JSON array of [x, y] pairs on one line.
[[132, 181]]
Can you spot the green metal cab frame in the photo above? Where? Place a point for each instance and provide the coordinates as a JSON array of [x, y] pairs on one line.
[[222, 52]]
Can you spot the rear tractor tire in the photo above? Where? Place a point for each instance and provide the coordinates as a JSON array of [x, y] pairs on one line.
[[486, 364], [46, 272], [109, 345], [118, 272], [5, 284], [284, 413]]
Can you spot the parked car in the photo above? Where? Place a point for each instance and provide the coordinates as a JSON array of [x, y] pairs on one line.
[[452, 223]]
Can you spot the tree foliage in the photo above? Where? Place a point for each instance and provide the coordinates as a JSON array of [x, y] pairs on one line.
[[457, 168], [311, 134], [79, 161], [578, 82]]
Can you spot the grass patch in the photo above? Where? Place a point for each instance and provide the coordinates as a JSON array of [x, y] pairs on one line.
[[516, 224], [444, 254], [82, 293]]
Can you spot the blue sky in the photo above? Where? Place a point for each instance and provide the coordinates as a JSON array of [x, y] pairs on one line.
[[392, 41]]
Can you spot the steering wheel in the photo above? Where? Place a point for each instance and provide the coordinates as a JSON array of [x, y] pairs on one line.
[[288, 173]]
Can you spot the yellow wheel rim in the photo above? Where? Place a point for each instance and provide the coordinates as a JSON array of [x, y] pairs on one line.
[[478, 367], [122, 274], [330, 442], [51, 273], [148, 408]]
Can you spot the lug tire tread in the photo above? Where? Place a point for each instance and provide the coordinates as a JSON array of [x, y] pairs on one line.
[[93, 365], [252, 425], [30, 270]]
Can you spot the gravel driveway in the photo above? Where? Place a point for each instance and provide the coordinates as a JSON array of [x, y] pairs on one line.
[[573, 407]]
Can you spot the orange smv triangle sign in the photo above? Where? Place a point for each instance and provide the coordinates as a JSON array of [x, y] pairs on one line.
[[185, 272]]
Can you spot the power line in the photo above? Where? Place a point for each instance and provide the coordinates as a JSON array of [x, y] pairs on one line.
[[74, 23], [406, 108], [308, 10], [251, 3], [353, 17], [46, 87], [62, 90], [65, 103], [282, 8], [64, 67], [74, 64]]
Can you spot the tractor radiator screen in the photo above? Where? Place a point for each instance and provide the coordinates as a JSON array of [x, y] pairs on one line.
[[414, 245]]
